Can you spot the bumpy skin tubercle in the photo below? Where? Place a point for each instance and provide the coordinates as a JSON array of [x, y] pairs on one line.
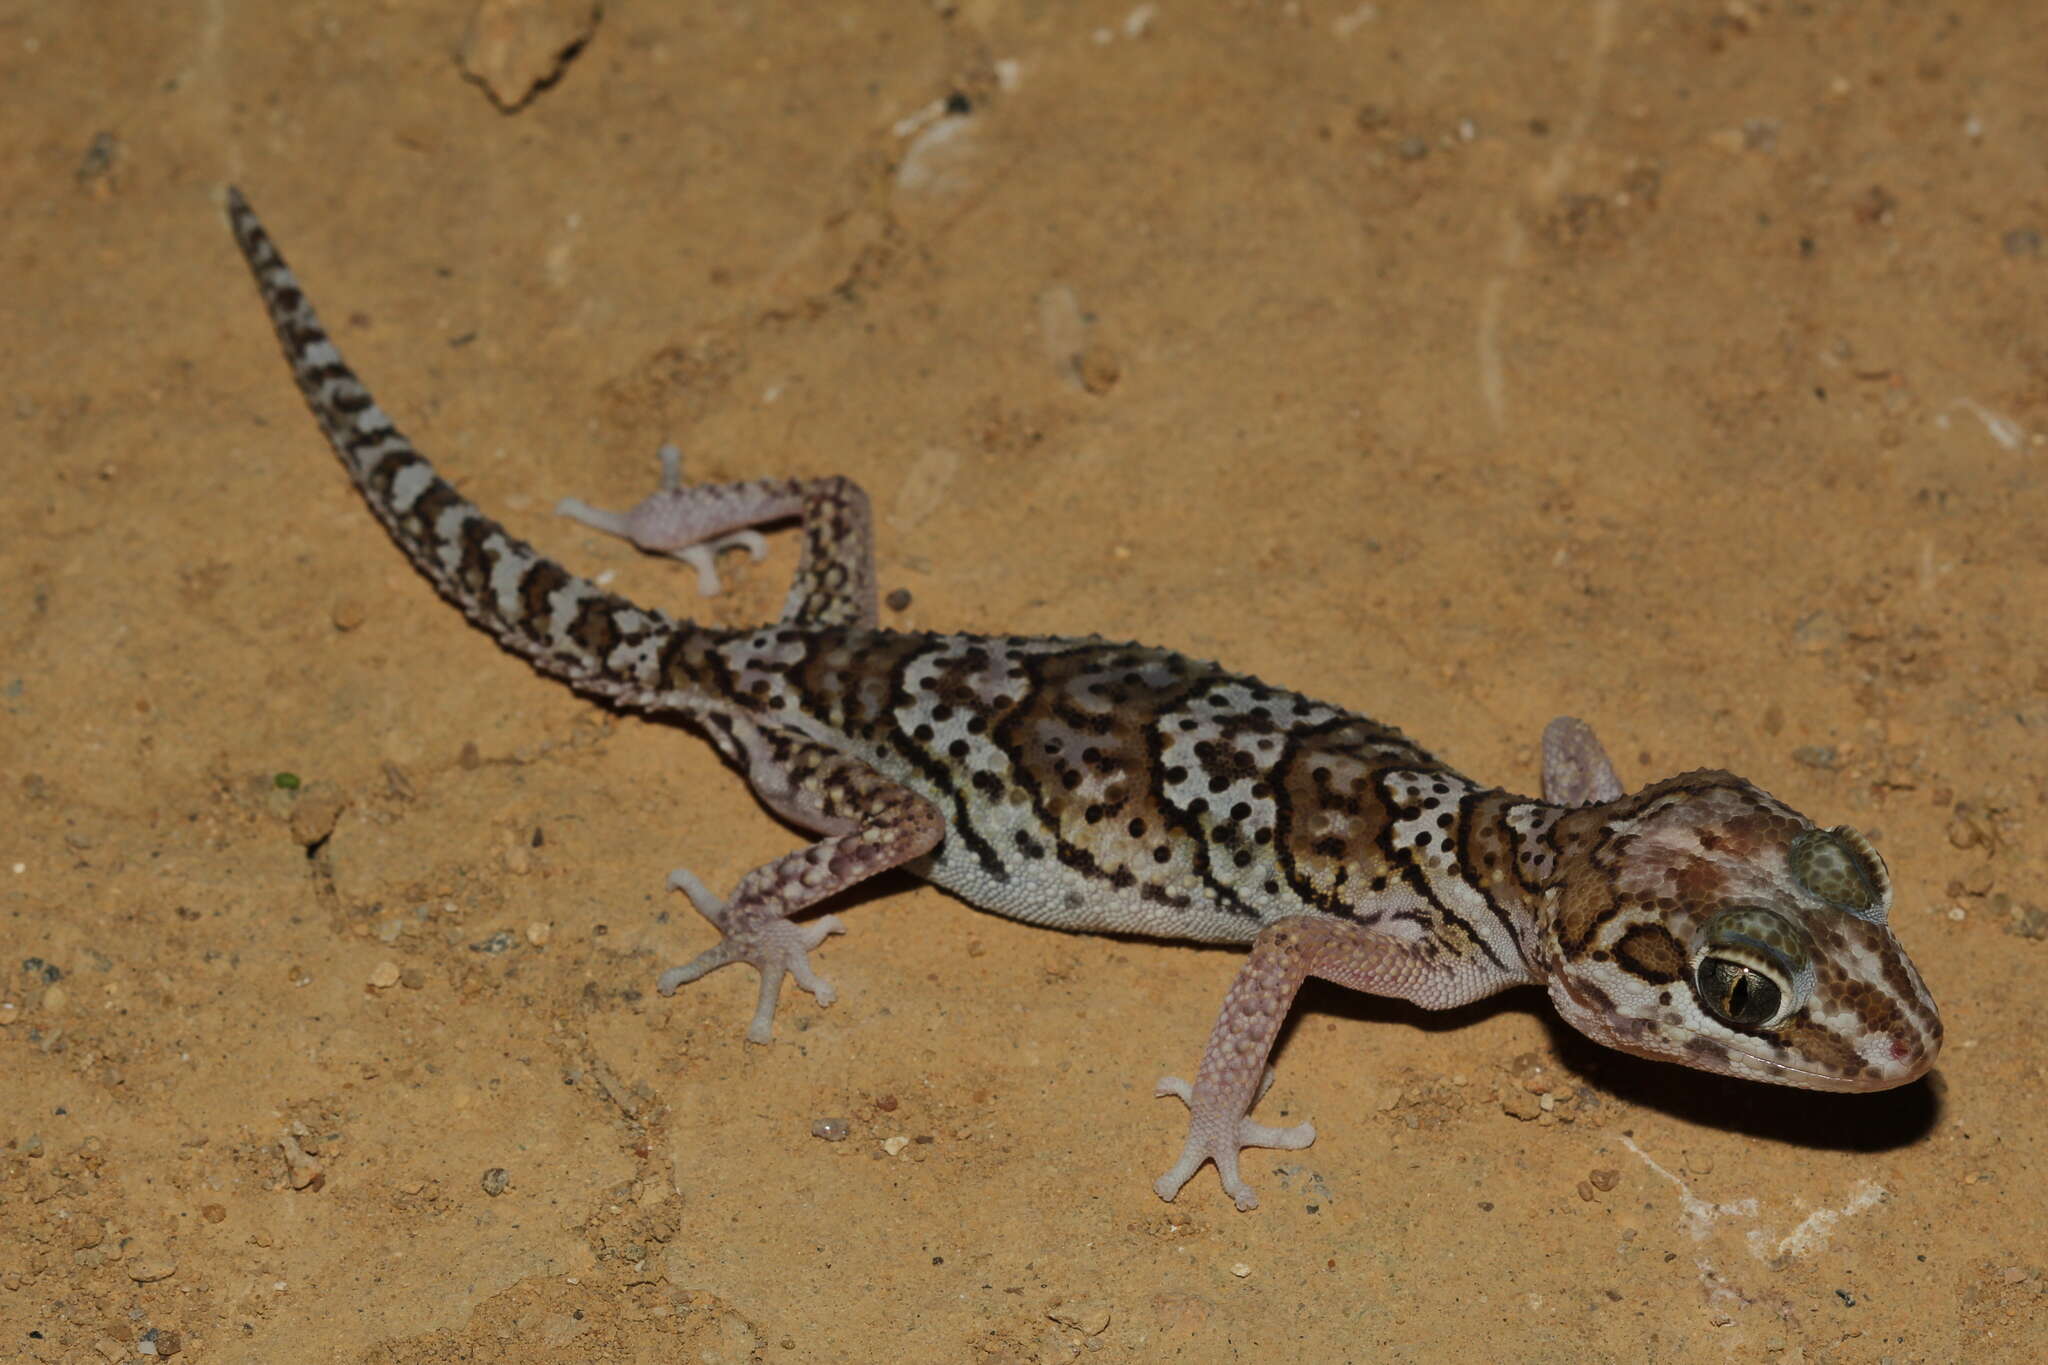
[[1090, 785]]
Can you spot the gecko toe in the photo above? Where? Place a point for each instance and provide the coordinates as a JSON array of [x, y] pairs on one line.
[[1215, 1135], [773, 947]]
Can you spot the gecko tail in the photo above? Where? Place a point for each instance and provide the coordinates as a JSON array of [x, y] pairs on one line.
[[564, 624]]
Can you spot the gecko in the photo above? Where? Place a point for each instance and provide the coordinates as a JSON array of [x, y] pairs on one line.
[[1091, 785]]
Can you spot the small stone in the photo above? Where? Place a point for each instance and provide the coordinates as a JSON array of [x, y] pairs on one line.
[[347, 614], [150, 1266], [496, 1181], [518, 861], [2028, 921], [384, 975], [213, 1213], [1586, 1191], [314, 813], [515, 49], [302, 1170], [1241, 1270], [898, 599], [1411, 149], [1818, 630], [1098, 369], [539, 932], [894, 1145], [1604, 1180], [1518, 1103], [1089, 1317], [830, 1129]]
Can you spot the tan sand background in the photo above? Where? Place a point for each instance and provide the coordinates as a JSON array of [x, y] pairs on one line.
[[1681, 366]]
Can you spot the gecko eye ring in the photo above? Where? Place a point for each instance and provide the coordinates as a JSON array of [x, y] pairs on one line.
[[1750, 968]]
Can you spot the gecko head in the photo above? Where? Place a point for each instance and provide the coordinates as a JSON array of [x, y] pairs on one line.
[[1703, 922]]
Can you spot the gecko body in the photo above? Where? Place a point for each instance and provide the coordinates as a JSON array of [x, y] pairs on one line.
[[1090, 785]]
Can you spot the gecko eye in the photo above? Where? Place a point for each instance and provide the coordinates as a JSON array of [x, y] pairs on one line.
[[1737, 993], [1839, 866], [1750, 968]]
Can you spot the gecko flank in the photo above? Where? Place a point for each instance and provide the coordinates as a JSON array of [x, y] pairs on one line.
[[1089, 785]]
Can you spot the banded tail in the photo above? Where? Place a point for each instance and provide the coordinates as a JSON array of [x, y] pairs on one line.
[[564, 624]]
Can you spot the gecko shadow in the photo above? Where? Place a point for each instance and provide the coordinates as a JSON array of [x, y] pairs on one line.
[[1828, 1121]]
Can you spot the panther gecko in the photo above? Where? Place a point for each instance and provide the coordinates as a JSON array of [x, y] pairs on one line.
[[1090, 785]]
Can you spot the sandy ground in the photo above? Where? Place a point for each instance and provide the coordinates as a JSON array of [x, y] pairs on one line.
[[1682, 367]]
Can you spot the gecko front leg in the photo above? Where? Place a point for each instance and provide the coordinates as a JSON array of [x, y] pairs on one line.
[[1234, 1076], [1233, 1071]]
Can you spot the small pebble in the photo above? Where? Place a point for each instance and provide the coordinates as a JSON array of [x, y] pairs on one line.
[[1604, 1180], [1098, 369], [1241, 1270], [384, 975], [496, 1180], [830, 1129], [539, 932], [314, 814], [898, 599], [1089, 1317], [894, 1145], [302, 1171], [347, 614], [151, 1266]]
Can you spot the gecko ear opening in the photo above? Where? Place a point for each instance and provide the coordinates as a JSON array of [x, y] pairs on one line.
[[1839, 866]]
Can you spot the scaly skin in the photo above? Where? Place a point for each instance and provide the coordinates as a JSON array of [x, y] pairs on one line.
[[1091, 785]]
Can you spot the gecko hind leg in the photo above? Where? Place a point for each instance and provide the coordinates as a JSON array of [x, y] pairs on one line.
[[835, 577], [869, 824]]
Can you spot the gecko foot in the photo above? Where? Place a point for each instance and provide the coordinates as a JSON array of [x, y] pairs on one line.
[[689, 524], [772, 946], [1214, 1134]]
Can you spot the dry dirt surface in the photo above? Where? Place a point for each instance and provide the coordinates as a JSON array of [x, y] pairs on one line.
[[1679, 366]]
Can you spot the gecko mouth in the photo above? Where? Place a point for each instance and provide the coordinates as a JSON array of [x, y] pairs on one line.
[[1671, 1042]]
